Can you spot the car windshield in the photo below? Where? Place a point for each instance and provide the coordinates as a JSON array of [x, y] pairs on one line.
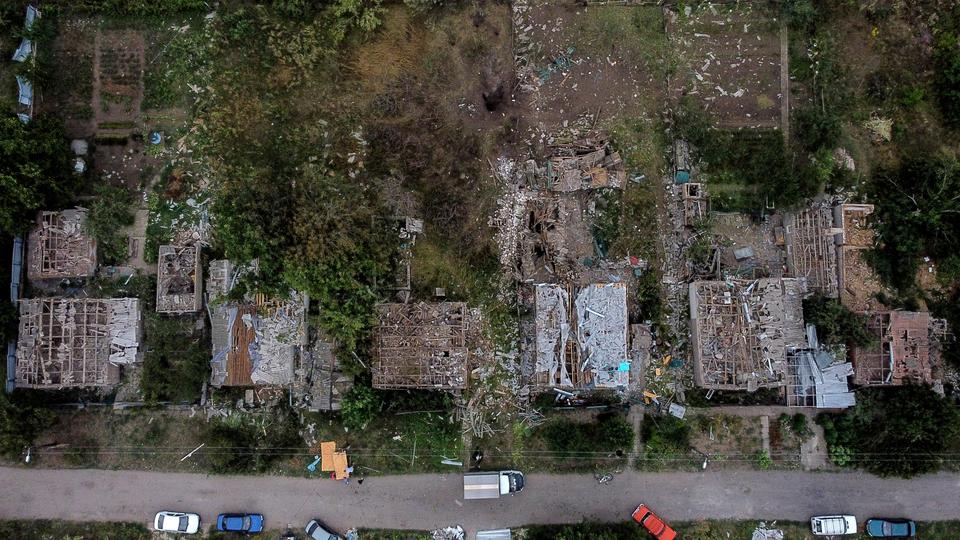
[[246, 522], [183, 523]]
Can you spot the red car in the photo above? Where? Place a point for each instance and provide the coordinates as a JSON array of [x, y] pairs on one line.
[[653, 524]]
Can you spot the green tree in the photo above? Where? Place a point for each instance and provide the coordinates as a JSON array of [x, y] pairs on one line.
[[359, 406], [902, 431], [20, 424], [35, 171], [917, 212], [836, 324]]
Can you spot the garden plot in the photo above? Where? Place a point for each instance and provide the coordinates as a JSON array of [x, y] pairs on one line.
[[574, 61], [731, 63], [70, 91]]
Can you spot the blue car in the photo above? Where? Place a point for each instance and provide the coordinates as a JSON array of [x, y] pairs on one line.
[[248, 523], [891, 528]]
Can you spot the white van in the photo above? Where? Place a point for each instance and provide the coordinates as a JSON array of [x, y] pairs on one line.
[[831, 525]]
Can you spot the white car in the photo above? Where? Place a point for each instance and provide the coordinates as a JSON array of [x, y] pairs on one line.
[[833, 525], [177, 522]]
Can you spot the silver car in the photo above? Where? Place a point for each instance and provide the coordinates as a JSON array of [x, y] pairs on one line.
[[318, 531]]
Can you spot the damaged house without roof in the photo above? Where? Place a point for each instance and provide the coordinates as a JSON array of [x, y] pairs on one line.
[[76, 342], [255, 341], [581, 344], [901, 351], [420, 345], [741, 330], [178, 279], [811, 249], [59, 247]]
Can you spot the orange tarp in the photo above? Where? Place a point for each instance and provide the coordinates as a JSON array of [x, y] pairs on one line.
[[333, 461]]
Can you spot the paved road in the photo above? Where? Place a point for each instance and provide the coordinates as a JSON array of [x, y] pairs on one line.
[[428, 501]]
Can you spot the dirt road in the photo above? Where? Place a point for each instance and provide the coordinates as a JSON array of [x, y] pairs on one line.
[[428, 501]]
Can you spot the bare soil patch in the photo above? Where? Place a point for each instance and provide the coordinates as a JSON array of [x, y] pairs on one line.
[[730, 61]]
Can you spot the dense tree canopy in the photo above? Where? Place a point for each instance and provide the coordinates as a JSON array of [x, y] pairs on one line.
[[836, 325], [918, 214], [35, 170], [902, 431]]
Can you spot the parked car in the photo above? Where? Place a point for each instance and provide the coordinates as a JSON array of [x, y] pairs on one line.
[[833, 525], [653, 524], [316, 530], [250, 523], [891, 528], [177, 522]]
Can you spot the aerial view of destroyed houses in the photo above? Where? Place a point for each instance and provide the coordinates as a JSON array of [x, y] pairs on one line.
[[480, 269]]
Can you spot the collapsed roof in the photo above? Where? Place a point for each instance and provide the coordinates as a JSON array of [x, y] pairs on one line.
[[811, 250], [59, 246], [583, 345], [76, 342], [256, 341], [421, 345], [741, 330], [900, 352]]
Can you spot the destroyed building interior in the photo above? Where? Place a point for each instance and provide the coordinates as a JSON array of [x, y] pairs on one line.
[[740, 331], [256, 341], [900, 351], [59, 246], [76, 342], [420, 345], [178, 279], [581, 344]]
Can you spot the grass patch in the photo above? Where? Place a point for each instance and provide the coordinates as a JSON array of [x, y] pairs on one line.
[[411, 433], [713, 530], [43, 529]]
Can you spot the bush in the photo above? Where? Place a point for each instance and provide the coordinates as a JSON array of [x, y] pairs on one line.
[[947, 77], [764, 461], [817, 129], [665, 436], [359, 406], [611, 432], [800, 426]]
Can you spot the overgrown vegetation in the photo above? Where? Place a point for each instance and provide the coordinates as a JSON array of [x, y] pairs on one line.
[[240, 443], [711, 530], [20, 424], [747, 171], [609, 433], [665, 439], [899, 431], [109, 214], [836, 324], [176, 363], [42, 529]]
